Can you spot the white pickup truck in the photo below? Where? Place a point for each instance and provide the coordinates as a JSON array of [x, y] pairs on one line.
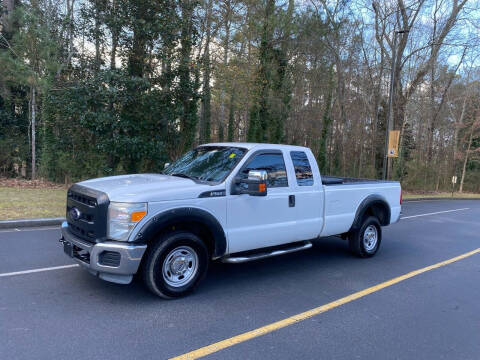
[[232, 202]]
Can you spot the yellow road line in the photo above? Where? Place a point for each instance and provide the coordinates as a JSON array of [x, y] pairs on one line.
[[210, 349]]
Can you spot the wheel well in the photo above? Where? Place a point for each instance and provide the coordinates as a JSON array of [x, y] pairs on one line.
[[198, 228], [380, 211]]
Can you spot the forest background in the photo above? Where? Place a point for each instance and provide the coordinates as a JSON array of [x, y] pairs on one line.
[[92, 88]]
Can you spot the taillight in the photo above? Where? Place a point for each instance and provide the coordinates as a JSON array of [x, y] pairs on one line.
[[401, 196]]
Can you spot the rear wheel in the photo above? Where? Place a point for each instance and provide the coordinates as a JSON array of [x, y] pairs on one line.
[[365, 241], [175, 264]]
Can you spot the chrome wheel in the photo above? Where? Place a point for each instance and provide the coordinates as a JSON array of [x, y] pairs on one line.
[[370, 238], [180, 266]]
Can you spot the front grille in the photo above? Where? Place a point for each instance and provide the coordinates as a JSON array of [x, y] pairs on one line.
[[83, 199], [87, 213], [84, 234], [109, 258]]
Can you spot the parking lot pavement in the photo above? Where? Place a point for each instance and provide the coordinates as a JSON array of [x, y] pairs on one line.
[[434, 316], [67, 313]]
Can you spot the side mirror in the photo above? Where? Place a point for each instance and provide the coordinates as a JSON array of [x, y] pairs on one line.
[[166, 165], [254, 185]]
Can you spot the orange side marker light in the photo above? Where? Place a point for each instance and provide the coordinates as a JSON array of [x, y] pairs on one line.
[[138, 215]]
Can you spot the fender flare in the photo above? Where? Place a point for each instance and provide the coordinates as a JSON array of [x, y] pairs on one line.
[[366, 203], [171, 217]]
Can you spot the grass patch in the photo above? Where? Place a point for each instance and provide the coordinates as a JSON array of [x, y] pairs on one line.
[[22, 203], [441, 195]]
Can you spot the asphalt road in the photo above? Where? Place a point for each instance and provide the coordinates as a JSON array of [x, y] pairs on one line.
[[67, 313]]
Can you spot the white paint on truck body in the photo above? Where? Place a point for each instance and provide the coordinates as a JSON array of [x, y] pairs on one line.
[[342, 202], [251, 222]]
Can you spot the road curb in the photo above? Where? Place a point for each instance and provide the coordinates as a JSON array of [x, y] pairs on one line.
[[21, 223], [436, 198]]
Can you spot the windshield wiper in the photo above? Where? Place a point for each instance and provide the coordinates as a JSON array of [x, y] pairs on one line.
[[184, 176]]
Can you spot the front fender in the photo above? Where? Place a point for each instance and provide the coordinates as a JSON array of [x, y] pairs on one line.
[[167, 218]]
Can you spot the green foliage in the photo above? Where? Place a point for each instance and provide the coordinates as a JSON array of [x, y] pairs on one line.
[[126, 85], [272, 92], [13, 146], [187, 91], [111, 122], [92, 120]]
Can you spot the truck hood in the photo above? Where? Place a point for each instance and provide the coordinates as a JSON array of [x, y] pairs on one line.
[[147, 187]]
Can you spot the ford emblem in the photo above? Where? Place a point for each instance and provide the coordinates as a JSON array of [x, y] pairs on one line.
[[75, 213]]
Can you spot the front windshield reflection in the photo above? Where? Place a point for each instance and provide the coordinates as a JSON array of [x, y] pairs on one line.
[[206, 163]]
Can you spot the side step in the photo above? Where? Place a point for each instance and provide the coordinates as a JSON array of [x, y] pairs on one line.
[[266, 254]]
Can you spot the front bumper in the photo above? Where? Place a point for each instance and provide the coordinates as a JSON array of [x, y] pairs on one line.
[[110, 260]]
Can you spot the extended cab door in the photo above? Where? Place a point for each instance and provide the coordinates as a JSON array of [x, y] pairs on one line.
[[262, 221], [309, 194]]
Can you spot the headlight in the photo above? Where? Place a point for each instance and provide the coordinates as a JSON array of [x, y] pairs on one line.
[[122, 218]]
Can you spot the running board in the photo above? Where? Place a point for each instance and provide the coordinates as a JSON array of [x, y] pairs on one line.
[[263, 255]]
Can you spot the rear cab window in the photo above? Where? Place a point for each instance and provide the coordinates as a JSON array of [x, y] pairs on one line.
[[303, 170]]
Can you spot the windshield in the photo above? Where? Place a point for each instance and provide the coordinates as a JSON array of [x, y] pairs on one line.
[[207, 163]]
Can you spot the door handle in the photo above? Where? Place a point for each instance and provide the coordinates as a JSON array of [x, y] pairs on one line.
[[291, 200]]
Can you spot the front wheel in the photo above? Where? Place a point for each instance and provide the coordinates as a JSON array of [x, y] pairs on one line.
[[175, 265], [365, 241]]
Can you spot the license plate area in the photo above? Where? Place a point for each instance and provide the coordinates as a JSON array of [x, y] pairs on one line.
[[75, 252]]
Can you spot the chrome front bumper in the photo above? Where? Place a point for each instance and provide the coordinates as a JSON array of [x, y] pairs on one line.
[[89, 255]]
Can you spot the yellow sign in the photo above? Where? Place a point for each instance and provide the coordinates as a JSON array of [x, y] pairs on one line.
[[393, 138]]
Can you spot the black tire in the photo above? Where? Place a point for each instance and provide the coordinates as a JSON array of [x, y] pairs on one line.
[[153, 264], [356, 238]]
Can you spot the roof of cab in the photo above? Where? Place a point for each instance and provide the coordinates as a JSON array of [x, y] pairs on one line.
[[258, 146]]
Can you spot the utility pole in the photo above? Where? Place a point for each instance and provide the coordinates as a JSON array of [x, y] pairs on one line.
[[389, 125]]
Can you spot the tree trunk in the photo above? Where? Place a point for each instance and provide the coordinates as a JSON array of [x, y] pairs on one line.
[[431, 120], [465, 161], [113, 53], [33, 104], [6, 20], [231, 117], [249, 59], [205, 123], [137, 55], [97, 38], [188, 116], [458, 123], [221, 120], [326, 122], [115, 30], [376, 112], [260, 113]]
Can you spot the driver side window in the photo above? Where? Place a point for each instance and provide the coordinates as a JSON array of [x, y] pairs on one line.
[[273, 163]]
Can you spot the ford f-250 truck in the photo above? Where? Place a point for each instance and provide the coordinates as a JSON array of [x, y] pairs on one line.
[[233, 202]]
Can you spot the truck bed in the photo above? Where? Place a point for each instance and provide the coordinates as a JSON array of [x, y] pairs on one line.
[[343, 196], [335, 180]]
